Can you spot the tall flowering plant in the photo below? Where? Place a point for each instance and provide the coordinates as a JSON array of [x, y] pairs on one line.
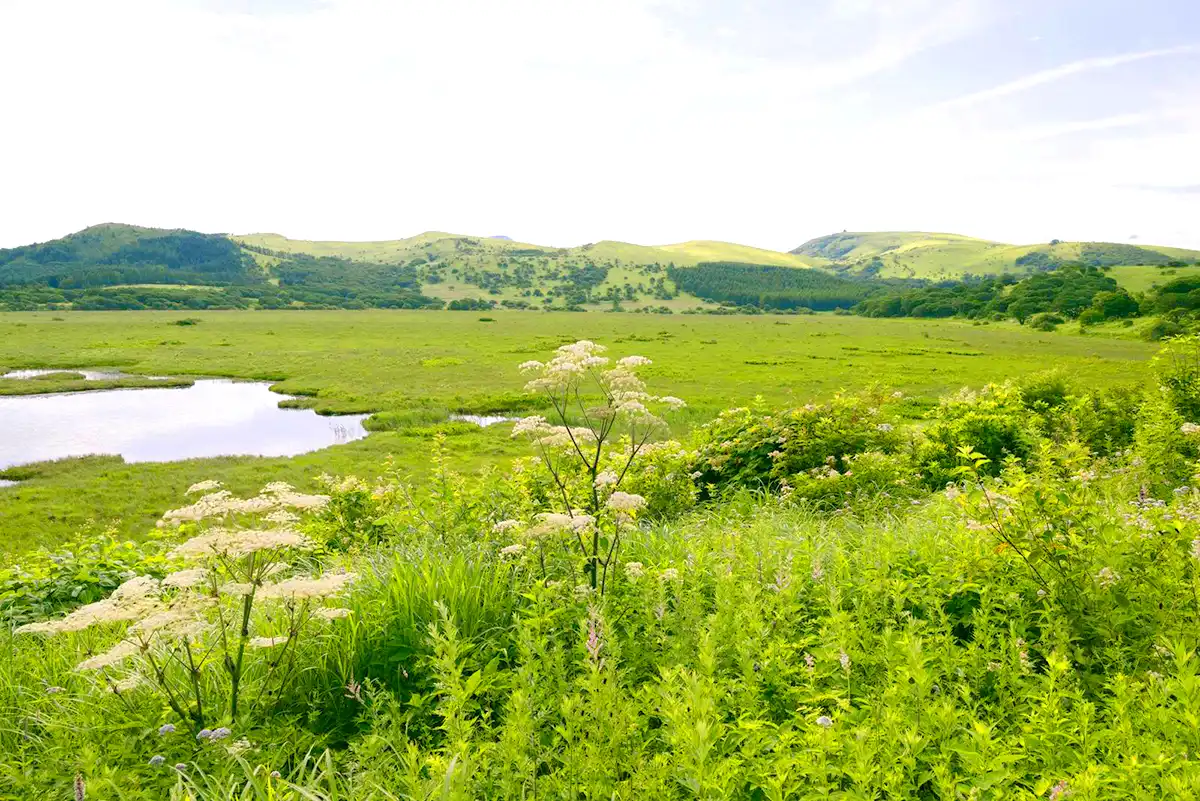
[[236, 592], [602, 420]]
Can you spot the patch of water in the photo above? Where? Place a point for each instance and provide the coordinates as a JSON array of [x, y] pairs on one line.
[[210, 418], [6, 483], [88, 375], [483, 420]]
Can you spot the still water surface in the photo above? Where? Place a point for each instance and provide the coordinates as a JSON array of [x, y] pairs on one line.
[[88, 375], [210, 418]]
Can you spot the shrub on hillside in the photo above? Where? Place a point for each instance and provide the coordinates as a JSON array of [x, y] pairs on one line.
[[1045, 321]]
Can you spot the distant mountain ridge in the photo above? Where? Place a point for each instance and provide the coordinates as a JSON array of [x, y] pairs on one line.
[[124, 266], [111, 253], [939, 256]]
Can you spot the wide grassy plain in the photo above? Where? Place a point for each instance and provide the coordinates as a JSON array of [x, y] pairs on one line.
[[412, 369]]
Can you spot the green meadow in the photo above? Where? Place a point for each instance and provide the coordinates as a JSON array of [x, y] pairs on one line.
[[410, 370]]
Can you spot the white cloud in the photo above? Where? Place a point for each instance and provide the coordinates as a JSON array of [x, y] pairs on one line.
[[553, 121], [1042, 77]]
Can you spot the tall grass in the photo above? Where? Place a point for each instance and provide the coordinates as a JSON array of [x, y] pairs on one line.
[[764, 651]]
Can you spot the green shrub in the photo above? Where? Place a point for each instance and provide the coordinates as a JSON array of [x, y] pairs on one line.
[[48, 582], [1177, 367], [993, 421], [752, 448], [1166, 453], [1163, 328], [1045, 321], [869, 477]]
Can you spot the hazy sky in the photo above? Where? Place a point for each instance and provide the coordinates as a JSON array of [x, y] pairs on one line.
[[766, 122]]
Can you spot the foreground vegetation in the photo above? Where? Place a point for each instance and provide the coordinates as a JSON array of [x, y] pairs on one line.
[[822, 600], [412, 369]]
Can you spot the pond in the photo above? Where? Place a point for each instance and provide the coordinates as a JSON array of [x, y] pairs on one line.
[[210, 418], [483, 420], [88, 375]]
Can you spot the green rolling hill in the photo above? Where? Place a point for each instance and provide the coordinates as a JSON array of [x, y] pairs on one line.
[[109, 254], [458, 267], [937, 257], [125, 266]]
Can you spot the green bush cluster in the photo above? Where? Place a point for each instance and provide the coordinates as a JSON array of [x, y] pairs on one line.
[[46, 582]]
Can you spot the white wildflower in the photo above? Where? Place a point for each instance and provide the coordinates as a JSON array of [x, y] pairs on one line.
[[302, 587], [605, 479], [625, 502], [282, 517], [635, 569], [186, 578], [133, 600], [1107, 577], [204, 486], [332, 612], [669, 574], [1190, 428], [113, 656], [236, 543], [219, 504], [629, 362], [182, 620], [239, 747], [672, 402], [512, 550], [505, 525]]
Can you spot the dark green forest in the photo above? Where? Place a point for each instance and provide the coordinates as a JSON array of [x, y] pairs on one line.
[[770, 287]]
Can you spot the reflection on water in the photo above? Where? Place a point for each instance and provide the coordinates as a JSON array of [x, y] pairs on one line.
[[89, 375], [482, 420], [210, 418]]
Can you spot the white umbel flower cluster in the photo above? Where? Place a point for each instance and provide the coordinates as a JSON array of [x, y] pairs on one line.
[[308, 587], [239, 542], [133, 600], [625, 502], [223, 503]]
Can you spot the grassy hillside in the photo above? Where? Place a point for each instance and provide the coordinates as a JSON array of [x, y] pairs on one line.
[[1145, 278], [458, 267], [115, 266], [937, 256]]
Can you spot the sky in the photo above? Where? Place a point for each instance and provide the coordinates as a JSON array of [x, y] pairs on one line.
[[562, 122]]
